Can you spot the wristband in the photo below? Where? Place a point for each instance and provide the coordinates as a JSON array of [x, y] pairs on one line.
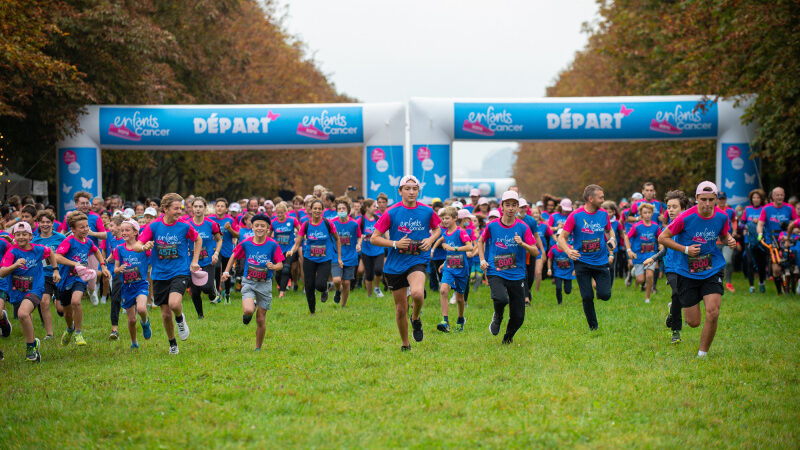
[[686, 249], [394, 245], [226, 273]]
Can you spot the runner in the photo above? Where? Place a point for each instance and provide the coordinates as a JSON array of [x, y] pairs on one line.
[[131, 267], [643, 246], [773, 217], [474, 196], [97, 231], [531, 264], [558, 218], [648, 195], [755, 254], [455, 272], [699, 278], [545, 236], [350, 238], [317, 236], [412, 229], [22, 264], [593, 243], [283, 230], [209, 232], [505, 242], [114, 239], [171, 264], [51, 240], [262, 256], [727, 252], [373, 257], [72, 257], [562, 270], [227, 226]]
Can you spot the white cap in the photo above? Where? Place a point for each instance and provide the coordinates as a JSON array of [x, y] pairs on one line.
[[637, 196], [509, 195], [464, 214], [706, 187], [566, 204], [235, 207], [409, 180], [457, 204], [128, 213], [116, 213], [523, 202], [308, 197], [475, 192], [483, 201], [151, 212], [269, 203], [540, 203], [494, 213]]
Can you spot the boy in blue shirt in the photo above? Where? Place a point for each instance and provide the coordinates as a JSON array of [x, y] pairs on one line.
[[455, 269]]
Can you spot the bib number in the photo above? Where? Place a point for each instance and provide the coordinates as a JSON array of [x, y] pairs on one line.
[[648, 247], [257, 274], [414, 248], [455, 261], [505, 262], [131, 275], [167, 251], [318, 251], [203, 254], [699, 263], [345, 240], [22, 283], [590, 245], [283, 239], [563, 263]]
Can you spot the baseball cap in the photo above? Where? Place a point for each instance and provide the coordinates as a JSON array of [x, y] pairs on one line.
[[308, 197], [457, 204], [132, 223], [128, 213], [85, 273], [722, 195], [483, 201], [475, 192], [706, 187], [637, 196], [408, 180], [464, 214], [269, 203], [566, 204], [150, 212], [494, 213], [539, 203], [200, 278], [22, 226], [261, 217], [523, 202], [509, 195], [235, 207]]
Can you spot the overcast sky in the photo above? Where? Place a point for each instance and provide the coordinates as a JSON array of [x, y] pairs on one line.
[[377, 50]]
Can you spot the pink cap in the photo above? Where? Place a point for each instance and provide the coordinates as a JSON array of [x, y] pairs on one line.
[[22, 226], [566, 204], [200, 278], [522, 202], [494, 213], [464, 214], [475, 192], [269, 203], [308, 197], [483, 201], [85, 273], [132, 223], [706, 187], [509, 195], [408, 180]]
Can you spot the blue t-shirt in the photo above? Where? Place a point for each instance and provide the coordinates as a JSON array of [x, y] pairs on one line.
[[657, 208], [644, 240], [439, 253], [52, 242], [284, 232], [506, 258], [137, 262], [227, 237], [416, 223], [110, 244], [773, 217], [367, 228], [456, 263], [28, 279], [170, 256], [318, 242], [5, 280], [330, 214], [750, 216], [588, 232], [348, 232], [206, 231], [688, 229], [245, 233], [256, 257], [562, 265], [74, 250]]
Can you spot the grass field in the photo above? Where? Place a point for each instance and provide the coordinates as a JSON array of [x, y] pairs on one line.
[[338, 379]]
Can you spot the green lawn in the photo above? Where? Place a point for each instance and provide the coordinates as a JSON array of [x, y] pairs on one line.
[[338, 379]]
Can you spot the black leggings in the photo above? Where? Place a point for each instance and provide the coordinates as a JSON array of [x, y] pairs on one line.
[[567, 287], [223, 263], [676, 321], [286, 273], [116, 300], [512, 293], [316, 277], [210, 288], [434, 274], [373, 266], [758, 257], [530, 273], [584, 273]]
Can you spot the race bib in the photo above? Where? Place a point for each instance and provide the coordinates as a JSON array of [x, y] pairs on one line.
[[563, 263], [258, 274], [167, 251], [590, 245], [131, 275], [455, 261], [505, 262], [345, 240], [699, 263], [318, 251], [203, 254], [283, 239], [22, 283], [648, 247], [414, 248]]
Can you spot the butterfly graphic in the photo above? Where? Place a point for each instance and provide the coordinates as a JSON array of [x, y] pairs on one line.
[[625, 111], [729, 184], [439, 179], [749, 179], [394, 181], [374, 186], [422, 185], [272, 116], [66, 188], [86, 184]]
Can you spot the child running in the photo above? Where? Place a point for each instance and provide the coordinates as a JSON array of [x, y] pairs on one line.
[[455, 271], [134, 289], [560, 267]]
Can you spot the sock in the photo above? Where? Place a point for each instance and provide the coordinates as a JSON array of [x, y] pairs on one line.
[[460, 320], [446, 319], [179, 319], [173, 342], [246, 319], [701, 353]]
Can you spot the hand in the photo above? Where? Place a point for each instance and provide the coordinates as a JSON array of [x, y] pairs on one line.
[[56, 277], [694, 249], [148, 245], [358, 248], [403, 243], [517, 239], [648, 261], [610, 259], [484, 265], [214, 258], [194, 267], [549, 272], [573, 254], [20, 262], [105, 272], [731, 242], [611, 245], [289, 253], [441, 266], [270, 266], [225, 277], [228, 226], [631, 254], [341, 264], [427, 243]]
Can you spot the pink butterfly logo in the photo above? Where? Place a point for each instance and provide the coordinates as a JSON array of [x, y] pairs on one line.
[[403, 229], [501, 245], [272, 116], [625, 111]]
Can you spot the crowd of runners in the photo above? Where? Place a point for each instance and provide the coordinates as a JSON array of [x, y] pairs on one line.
[[145, 256]]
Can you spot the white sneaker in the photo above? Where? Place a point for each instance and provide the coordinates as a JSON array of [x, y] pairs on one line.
[[183, 330], [378, 292], [103, 300], [93, 298], [173, 349], [453, 299], [647, 300]]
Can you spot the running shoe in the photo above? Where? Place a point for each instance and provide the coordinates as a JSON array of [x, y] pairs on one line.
[[507, 340], [114, 335], [668, 320], [67, 336], [453, 299], [416, 326], [183, 330], [1, 356], [460, 324], [79, 340], [324, 297], [281, 294], [762, 288], [676, 337], [147, 332], [494, 327], [752, 289], [216, 300], [405, 348], [729, 287], [48, 337], [32, 353], [93, 298], [647, 300], [134, 345], [173, 349], [337, 297], [5, 325], [443, 326], [378, 292]]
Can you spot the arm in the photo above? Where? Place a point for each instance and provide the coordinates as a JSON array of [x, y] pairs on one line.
[[226, 273], [6, 271], [217, 249], [657, 257], [102, 261], [54, 265], [562, 244], [665, 239], [481, 255], [198, 246], [297, 242]]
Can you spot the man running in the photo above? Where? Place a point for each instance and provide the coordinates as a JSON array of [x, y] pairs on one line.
[[773, 216]]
